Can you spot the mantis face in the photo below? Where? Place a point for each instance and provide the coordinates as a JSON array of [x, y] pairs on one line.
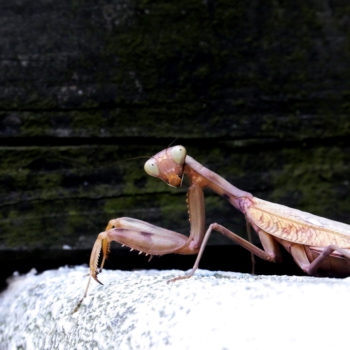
[[167, 165]]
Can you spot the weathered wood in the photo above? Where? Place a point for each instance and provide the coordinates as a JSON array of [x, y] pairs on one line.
[[52, 196], [258, 93], [264, 70]]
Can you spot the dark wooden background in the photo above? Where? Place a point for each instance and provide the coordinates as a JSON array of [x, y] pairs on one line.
[[258, 91]]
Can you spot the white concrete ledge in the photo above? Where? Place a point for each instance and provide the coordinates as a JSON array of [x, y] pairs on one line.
[[139, 310]]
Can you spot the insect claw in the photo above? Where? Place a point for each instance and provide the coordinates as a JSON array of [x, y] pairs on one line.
[[150, 258], [140, 252], [131, 249], [97, 280], [94, 276]]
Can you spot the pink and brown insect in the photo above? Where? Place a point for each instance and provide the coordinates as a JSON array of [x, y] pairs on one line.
[[316, 244]]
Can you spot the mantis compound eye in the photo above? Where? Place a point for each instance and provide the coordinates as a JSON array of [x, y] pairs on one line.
[[151, 168], [178, 153]]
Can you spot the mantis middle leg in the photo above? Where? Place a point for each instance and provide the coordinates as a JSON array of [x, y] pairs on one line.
[[270, 252]]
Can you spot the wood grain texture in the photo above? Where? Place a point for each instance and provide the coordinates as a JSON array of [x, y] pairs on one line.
[[258, 93]]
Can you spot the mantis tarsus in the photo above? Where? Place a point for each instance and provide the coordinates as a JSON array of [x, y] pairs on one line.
[[316, 243]]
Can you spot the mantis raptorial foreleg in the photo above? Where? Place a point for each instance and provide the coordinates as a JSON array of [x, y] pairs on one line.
[[150, 239]]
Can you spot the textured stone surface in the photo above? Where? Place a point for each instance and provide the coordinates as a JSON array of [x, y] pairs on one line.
[[139, 310]]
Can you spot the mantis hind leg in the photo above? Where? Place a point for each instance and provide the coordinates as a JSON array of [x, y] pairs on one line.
[[337, 261], [332, 259]]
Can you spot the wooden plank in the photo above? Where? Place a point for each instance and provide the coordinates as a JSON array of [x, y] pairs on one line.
[[258, 93], [51, 196], [123, 69], [192, 121]]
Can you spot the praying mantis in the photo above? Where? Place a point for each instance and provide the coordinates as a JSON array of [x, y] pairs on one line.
[[317, 245]]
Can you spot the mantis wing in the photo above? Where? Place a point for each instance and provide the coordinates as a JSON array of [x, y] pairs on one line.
[[297, 226]]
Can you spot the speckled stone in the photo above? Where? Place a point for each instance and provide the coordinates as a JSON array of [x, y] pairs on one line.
[[139, 310]]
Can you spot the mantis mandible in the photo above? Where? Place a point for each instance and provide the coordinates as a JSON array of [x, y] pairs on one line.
[[315, 243]]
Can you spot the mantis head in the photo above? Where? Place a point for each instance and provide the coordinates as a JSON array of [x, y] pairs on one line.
[[167, 165]]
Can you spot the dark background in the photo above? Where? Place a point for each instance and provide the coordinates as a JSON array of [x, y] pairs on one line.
[[257, 91]]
